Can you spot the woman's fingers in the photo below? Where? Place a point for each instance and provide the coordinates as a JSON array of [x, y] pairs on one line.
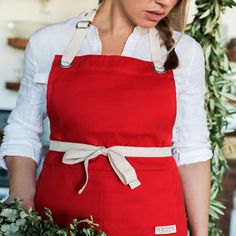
[[26, 203]]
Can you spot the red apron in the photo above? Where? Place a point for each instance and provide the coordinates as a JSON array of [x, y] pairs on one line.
[[113, 100]]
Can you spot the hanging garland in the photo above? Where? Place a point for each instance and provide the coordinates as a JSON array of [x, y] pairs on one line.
[[205, 28]]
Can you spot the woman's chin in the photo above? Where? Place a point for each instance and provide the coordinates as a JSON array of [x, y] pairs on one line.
[[149, 24]]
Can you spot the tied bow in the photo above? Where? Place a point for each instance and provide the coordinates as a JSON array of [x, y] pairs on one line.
[[120, 165]]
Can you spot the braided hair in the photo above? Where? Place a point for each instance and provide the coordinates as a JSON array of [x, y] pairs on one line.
[[176, 20], [166, 34]]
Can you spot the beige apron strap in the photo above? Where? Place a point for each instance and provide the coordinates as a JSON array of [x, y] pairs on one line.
[[156, 55], [81, 30], [75, 44]]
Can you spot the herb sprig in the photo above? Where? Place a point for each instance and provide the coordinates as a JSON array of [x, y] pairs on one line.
[[14, 220]]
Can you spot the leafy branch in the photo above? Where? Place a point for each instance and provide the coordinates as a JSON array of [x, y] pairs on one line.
[[205, 28], [14, 220]]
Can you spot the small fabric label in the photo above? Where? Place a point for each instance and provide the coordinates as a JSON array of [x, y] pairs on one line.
[[167, 229]]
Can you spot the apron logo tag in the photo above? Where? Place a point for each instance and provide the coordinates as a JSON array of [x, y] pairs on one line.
[[168, 229]]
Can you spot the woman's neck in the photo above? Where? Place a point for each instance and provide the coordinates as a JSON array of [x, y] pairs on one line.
[[111, 19]]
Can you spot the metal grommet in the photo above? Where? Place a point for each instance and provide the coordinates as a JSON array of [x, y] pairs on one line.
[[86, 23], [159, 70], [66, 65]]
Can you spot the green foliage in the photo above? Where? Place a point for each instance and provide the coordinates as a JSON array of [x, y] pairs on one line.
[[14, 221], [205, 28]]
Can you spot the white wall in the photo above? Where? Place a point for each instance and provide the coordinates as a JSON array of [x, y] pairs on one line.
[[12, 59]]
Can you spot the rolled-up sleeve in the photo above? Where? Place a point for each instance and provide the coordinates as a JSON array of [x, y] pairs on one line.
[[24, 125], [191, 142]]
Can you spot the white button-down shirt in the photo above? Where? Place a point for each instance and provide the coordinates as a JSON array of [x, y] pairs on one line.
[[190, 133]]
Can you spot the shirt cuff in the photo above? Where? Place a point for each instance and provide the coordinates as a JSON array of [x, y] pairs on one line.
[[191, 155], [21, 151]]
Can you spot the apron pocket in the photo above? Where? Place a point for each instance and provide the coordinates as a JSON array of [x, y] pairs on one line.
[[137, 211]]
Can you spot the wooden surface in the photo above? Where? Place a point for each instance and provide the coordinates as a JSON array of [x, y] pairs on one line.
[[229, 186], [229, 181], [12, 85], [231, 55], [19, 43]]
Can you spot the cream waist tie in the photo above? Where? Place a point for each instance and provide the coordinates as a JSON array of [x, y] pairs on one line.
[[78, 152]]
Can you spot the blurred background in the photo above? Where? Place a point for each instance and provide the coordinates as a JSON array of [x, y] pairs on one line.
[[20, 18]]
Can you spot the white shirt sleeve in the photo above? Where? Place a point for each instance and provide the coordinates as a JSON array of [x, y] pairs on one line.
[[191, 142], [24, 125]]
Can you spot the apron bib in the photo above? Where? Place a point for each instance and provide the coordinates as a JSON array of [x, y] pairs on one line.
[[100, 102]]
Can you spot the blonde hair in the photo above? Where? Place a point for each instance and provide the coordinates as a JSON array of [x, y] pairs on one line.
[[179, 15], [176, 20]]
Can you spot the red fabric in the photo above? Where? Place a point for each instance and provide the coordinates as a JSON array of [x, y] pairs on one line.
[[112, 100]]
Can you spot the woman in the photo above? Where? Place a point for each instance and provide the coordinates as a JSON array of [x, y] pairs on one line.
[[125, 98]]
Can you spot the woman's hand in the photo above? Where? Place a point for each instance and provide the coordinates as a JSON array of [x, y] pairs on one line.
[[22, 180], [27, 203]]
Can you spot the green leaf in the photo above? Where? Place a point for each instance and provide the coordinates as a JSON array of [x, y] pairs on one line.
[[205, 14]]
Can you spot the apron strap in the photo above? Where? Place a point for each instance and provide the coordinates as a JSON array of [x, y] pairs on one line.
[[74, 46], [156, 56], [81, 30]]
